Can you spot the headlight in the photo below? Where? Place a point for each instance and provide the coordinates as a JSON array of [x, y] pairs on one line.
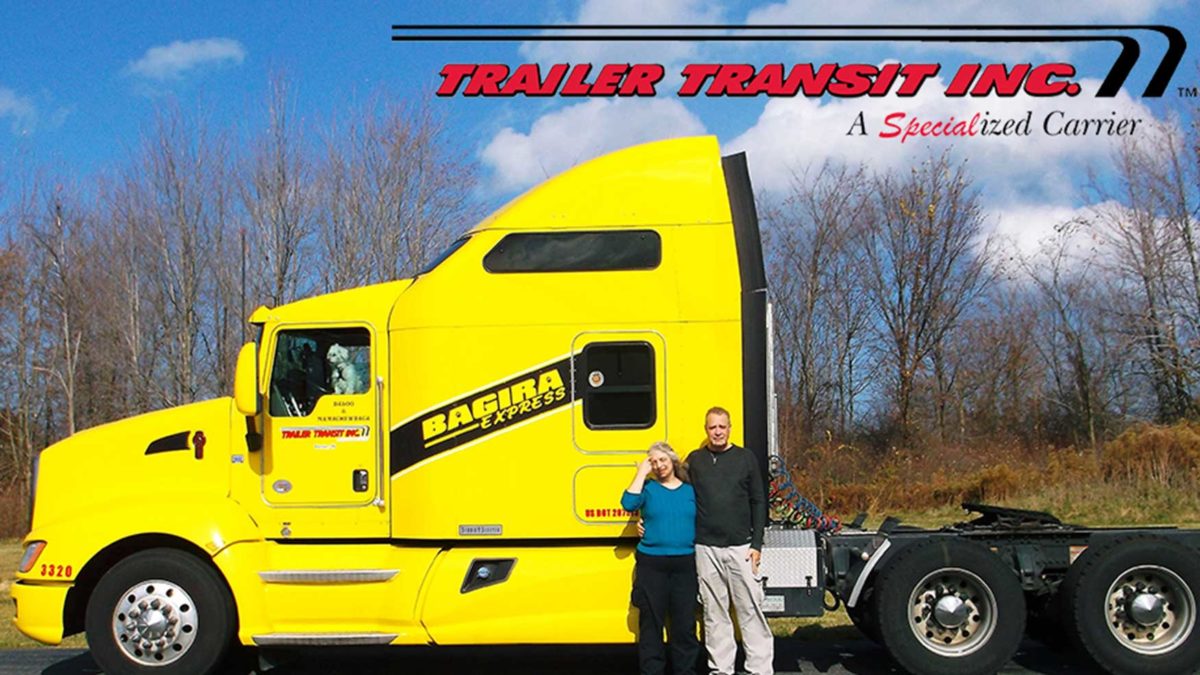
[[32, 551]]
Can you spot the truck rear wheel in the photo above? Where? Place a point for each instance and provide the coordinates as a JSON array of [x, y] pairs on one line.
[[1132, 606], [949, 607], [160, 611]]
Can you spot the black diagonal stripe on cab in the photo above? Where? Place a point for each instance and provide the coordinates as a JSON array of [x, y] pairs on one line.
[[170, 443], [480, 413]]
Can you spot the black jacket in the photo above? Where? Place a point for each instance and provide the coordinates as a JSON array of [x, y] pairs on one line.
[[731, 508]]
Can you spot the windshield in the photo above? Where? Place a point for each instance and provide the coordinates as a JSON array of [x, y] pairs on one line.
[[441, 257]]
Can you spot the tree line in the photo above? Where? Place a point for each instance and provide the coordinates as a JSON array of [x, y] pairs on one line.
[[899, 322], [129, 291]]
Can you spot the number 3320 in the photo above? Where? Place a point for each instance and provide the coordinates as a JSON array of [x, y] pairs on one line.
[[56, 571]]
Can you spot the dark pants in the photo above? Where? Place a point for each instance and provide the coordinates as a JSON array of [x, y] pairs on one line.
[[665, 587]]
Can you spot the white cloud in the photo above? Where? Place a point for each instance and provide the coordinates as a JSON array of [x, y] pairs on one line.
[[1031, 229], [170, 62], [21, 110], [566, 137], [664, 12]]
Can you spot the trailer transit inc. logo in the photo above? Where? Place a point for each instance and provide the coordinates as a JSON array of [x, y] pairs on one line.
[[975, 80]]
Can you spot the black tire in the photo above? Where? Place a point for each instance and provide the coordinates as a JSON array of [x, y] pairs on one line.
[[188, 616], [949, 607], [864, 615], [1166, 570]]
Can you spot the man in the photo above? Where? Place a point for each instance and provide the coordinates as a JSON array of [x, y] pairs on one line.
[[731, 512]]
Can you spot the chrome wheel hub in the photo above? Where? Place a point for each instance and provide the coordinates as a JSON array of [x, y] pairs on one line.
[[155, 622], [1146, 609], [1150, 609], [952, 612]]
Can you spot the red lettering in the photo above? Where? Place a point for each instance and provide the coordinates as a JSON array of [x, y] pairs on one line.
[[895, 126], [695, 75], [453, 75], [576, 84], [769, 81], [486, 80], [1038, 83], [814, 83], [610, 76], [883, 82], [963, 79], [998, 79], [731, 80], [526, 79], [914, 75], [853, 80], [641, 79]]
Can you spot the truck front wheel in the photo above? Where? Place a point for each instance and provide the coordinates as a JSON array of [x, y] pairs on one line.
[[1132, 606], [161, 611], [949, 607]]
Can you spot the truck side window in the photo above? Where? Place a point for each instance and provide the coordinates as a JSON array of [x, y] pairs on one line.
[[310, 364], [617, 382], [575, 252]]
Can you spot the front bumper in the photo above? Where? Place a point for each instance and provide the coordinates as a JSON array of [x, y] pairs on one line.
[[39, 610]]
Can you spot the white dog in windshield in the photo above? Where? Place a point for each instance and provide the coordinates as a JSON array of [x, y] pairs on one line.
[[343, 375]]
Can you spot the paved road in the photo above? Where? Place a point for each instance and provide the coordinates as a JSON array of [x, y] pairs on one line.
[[836, 657]]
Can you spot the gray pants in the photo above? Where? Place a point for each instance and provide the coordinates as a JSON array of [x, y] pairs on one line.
[[725, 575]]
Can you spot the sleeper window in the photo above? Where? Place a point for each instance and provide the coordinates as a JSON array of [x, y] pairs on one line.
[[617, 384], [575, 252]]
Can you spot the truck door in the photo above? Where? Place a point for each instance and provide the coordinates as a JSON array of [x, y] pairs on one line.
[[620, 409], [322, 447]]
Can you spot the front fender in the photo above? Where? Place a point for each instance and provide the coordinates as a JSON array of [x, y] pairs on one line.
[[209, 524]]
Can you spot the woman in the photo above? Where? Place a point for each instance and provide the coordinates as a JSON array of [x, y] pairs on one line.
[[665, 578]]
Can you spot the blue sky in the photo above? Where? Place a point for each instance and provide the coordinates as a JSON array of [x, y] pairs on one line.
[[79, 80]]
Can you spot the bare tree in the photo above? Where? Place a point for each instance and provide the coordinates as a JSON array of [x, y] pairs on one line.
[[925, 263], [57, 238], [811, 260], [394, 191], [997, 387], [179, 198], [1146, 257], [277, 194], [1066, 290]]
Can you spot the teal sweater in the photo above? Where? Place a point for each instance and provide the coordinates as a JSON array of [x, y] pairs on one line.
[[669, 517]]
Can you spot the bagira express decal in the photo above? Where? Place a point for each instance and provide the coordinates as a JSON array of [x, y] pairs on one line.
[[480, 413]]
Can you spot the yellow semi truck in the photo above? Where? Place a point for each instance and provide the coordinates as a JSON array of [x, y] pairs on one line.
[[429, 460], [439, 460]]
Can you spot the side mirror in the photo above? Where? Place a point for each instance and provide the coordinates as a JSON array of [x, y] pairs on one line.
[[245, 381]]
